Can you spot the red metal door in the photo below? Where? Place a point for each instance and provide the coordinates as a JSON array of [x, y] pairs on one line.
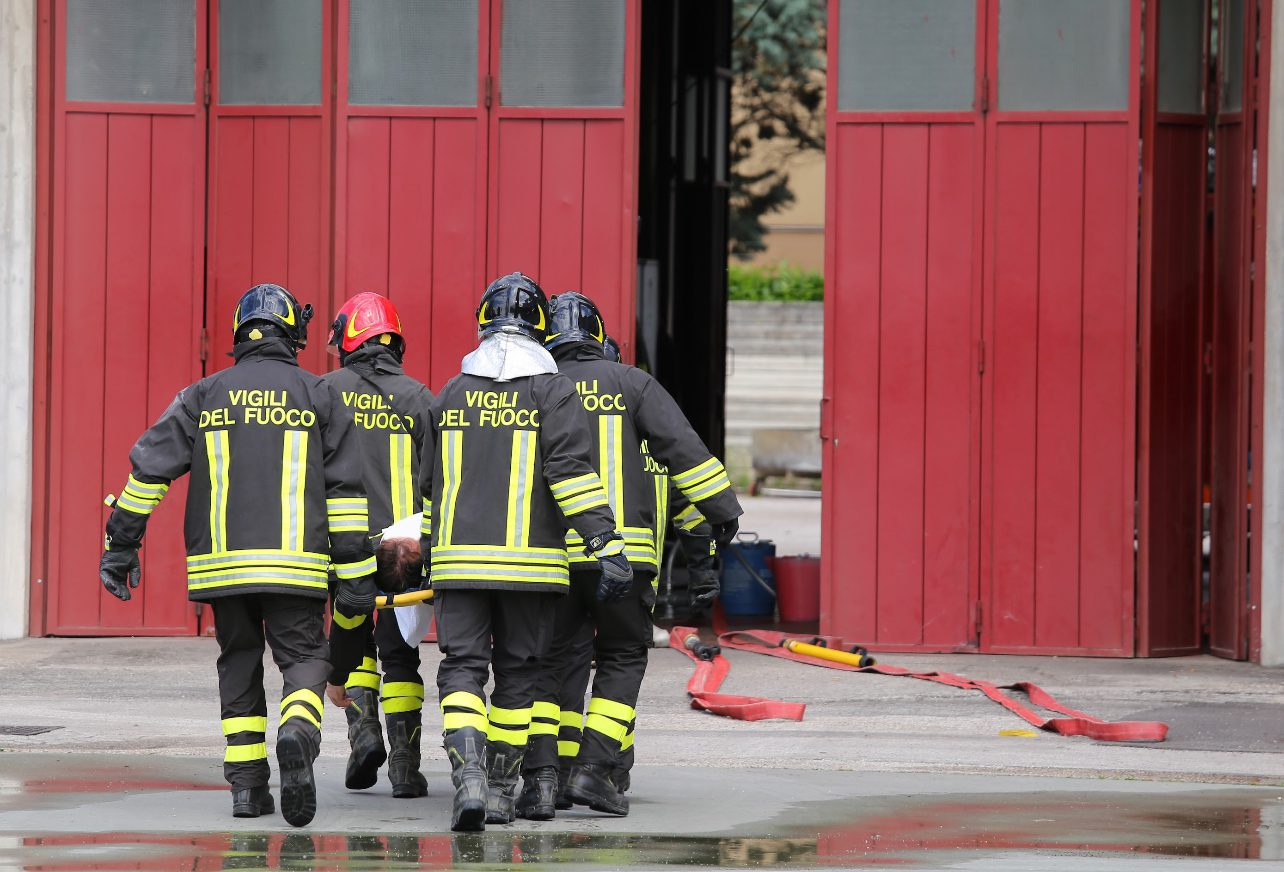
[[1171, 405], [1060, 327], [123, 312], [411, 168], [269, 165], [563, 149], [903, 264], [1231, 332]]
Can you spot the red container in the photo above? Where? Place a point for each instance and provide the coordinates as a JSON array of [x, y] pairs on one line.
[[798, 588]]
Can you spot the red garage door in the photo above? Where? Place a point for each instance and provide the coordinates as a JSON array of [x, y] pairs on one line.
[[979, 380]]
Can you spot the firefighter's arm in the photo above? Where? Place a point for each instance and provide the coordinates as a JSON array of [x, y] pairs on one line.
[[566, 445], [347, 511], [162, 454], [694, 470], [427, 459]]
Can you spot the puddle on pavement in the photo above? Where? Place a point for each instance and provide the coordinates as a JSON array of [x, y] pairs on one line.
[[880, 831]]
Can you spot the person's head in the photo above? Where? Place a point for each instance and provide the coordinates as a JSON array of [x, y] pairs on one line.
[[573, 317], [367, 319], [266, 311], [513, 304]]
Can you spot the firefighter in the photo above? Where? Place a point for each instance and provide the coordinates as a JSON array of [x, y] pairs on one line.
[[389, 411], [640, 435], [274, 498], [506, 468]]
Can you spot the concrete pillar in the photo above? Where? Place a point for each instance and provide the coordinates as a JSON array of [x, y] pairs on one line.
[[1271, 492], [17, 297]]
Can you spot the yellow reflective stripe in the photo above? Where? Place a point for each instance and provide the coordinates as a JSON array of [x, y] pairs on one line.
[[400, 448], [146, 490], [359, 678], [464, 699], [301, 711], [245, 753], [590, 500], [425, 524], [355, 570], [689, 517], [400, 704], [459, 720], [572, 719], [516, 738], [247, 579], [661, 514], [302, 695], [627, 742], [347, 505], [452, 467], [353, 525], [543, 728], [610, 437], [606, 726], [509, 716], [500, 573], [259, 557], [348, 623], [615, 546], [403, 688], [568, 486], [568, 749], [294, 460], [125, 501], [521, 478], [216, 453], [544, 709], [498, 554], [368, 664], [612, 709], [697, 473], [251, 724], [708, 489]]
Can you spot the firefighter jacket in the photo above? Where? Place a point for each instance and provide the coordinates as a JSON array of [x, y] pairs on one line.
[[642, 441], [276, 492], [389, 412], [506, 467]]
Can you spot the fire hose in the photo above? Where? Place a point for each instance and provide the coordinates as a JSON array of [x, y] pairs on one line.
[[711, 669]]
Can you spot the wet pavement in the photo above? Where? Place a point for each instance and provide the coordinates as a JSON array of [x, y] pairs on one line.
[[111, 812]]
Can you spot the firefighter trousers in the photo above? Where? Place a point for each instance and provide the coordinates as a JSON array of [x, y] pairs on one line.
[[483, 631], [294, 628], [402, 687], [623, 632]]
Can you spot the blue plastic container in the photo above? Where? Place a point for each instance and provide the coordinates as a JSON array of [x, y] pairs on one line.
[[742, 594]]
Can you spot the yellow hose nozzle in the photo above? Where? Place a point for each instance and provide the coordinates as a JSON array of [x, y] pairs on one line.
[[857, 660]]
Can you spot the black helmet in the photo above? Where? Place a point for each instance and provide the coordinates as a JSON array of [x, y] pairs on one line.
[[611, 350], [513, 304], [574, 318], [272, 305]]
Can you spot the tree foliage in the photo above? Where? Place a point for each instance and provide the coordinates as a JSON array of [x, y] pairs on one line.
[[778, 63]]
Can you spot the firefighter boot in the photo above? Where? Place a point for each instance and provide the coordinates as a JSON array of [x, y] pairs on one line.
[[403, 764], [251, 802], [465, 748], [590, 784], [538, 800], [503, 766], [295, 750], [563, 776], [366, 738], [621, 779]]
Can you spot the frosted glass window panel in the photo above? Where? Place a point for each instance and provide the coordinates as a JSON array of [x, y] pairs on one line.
[[906, 55], [1231, 60], [1058, 55], [269, 52], [131, 51], [563, 53], [413, 53], [1181, 56]]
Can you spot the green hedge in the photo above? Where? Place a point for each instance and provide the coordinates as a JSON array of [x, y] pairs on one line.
[[777, 282]]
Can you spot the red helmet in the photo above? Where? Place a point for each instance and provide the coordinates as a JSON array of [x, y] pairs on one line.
[[363, 318]]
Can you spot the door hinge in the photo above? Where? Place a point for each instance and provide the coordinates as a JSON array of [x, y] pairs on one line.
[[205, 345], [489, 89], [205, 88], [985, 94], [980, 357]]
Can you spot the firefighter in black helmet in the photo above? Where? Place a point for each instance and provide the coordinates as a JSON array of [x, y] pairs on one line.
[[507, 467], [274, 498], [641, 437]]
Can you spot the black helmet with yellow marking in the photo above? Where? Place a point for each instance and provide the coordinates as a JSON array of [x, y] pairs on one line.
[[573, 317], [514, 303], [271, 310]]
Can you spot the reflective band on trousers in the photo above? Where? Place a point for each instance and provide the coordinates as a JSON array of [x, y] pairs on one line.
[[245, 753], [249, 724]]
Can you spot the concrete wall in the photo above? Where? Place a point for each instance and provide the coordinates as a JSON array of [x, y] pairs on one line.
[[17, 290], [1272, 480]]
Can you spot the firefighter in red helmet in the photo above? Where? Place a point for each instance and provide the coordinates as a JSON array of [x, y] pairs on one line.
[[389, 411]]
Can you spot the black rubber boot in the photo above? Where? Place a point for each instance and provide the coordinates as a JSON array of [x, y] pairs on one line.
[[538, 800], [621, 779], [403, 764], [295, 751], [590, 784], [465, 748], [563, 775], [366, 738], [251, 802], [503, 766]]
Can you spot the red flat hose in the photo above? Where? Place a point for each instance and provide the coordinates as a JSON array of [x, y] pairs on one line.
[[709, 675]]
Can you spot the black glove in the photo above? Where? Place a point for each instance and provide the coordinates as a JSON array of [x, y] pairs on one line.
[[725, 531], [704, 587], [120, 570], [356, 596], [617, 578]]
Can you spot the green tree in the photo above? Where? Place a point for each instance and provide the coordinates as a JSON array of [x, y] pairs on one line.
[[778, 107]]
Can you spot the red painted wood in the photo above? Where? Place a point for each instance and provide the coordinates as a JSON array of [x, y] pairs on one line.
[[369, 167], [515, 198], [606, 223], [411, 251], [561, 208], [231, 231], [308, 239]]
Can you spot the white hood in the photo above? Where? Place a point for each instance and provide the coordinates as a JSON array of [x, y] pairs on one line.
[[506, 356]]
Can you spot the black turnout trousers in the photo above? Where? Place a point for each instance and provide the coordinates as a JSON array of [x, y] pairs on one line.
[[294, 628], [384, 646]]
